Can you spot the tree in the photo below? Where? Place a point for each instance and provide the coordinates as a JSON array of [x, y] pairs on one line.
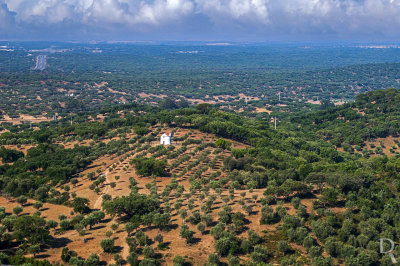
[[109, 234], [308, 242], [213, 260], [66, 254], [92, 260], [178, 261], [82, 233], [129, 227], [162, 220], [148, 251], [52, 224], [253, 237], [134, 204], [326, 103], [183, 213], [332, 246], [114, 226], [223, 246], [168, 103], [132, 259], [283, 246], [315, 251], [322, 229], [107, 245], [74, 181], [22, 200], [233, 260], [37, 205], [201, 227], [142, 238], [149, 262], [204, 108], [159, 238], [81, 205], [149, 166], [34, 249], [260, 254], [186, 233], [17, 210], [65, 224], [217, 231], [3, 257], [9, 155], [76, 261], [118, 259], [31, 228], [329, 196], [222, 143]]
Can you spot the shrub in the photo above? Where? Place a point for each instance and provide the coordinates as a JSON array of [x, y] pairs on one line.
[[186, 233], [52, 224], [92, 260], [17, 210], [107, 245], [178, 261], [149, 166]]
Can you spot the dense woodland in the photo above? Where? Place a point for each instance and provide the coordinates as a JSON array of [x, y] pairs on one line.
[[77, 78], [312, 191]]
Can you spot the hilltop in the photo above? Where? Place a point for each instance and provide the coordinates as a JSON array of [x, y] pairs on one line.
[[230, 189]]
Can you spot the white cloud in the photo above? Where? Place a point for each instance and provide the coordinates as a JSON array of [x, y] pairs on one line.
[[162, 10], [6, 17], [239, 10], [339, 17], [100, 11]]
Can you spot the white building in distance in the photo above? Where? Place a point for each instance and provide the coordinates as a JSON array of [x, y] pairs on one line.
[[166, 139]]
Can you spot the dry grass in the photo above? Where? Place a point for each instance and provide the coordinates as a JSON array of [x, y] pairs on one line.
[[197, 252]]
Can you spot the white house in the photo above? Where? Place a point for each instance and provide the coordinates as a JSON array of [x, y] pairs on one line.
[[166, 139]]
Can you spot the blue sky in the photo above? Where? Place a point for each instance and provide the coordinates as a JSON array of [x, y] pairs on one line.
[[200, 20]]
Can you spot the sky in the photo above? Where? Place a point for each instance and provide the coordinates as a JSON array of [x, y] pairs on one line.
[[200, 20]]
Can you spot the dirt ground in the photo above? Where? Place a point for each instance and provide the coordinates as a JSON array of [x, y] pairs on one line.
[[24, 119], [120, 173]]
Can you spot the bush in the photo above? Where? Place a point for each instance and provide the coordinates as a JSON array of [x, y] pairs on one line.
[[92, 260], [65, 224], [213, 260], [260, 254], [17, 210], [186, 233], [178, 261], [201, 227], [76, 261], [283, 246], [134, 204], [149, 166], [148, 252], [227, 245], [107, 245], [149, 262], [67, 254], [222, 143], [52, 224]]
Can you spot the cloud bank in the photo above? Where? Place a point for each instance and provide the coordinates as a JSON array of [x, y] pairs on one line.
[[200, 19]]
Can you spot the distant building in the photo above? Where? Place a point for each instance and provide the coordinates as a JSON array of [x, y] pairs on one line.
[[166, 139]]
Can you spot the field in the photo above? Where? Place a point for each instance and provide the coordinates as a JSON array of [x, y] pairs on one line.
[[197, 159], [279, 155]]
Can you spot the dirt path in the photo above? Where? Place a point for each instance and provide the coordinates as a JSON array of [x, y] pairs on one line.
[[125, 250], [97, 204]]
